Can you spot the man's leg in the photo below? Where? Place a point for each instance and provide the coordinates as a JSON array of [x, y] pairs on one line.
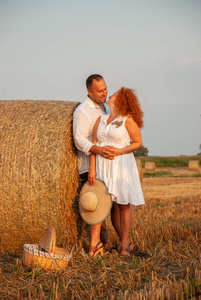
[[84, 177], [105, 238]]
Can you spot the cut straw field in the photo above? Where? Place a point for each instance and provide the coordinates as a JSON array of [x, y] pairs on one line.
[[168, 227]]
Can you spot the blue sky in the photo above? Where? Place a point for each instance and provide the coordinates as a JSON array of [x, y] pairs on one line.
[[48, 48]]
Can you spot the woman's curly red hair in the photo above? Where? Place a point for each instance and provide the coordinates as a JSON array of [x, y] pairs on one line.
[[127, 103]]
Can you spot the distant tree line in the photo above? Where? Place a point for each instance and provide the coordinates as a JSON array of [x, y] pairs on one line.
[[200, 149], [143, 151]]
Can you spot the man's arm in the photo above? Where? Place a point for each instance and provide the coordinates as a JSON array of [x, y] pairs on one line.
[[81, 127]]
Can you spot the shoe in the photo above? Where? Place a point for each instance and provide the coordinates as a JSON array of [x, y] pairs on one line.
[[137, 252], [96, 250], [125, 250]]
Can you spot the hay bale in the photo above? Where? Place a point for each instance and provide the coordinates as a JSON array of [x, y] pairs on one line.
[[193, 165], [150, 166], [39, 181], [139, 167]]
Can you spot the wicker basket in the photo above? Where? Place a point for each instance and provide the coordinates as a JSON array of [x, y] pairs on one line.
[[46, 255], [34, 256], [48, 240]]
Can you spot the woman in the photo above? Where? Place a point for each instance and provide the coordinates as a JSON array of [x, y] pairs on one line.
[[119, 174]]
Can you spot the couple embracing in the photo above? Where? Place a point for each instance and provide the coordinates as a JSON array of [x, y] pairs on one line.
[[106, 133]]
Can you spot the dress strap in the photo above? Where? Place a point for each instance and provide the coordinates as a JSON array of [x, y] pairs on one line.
[[122, 118]]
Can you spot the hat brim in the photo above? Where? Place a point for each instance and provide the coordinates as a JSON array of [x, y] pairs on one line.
[[105, 204]]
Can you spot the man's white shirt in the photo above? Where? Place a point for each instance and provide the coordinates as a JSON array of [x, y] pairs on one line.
[[84, 119]]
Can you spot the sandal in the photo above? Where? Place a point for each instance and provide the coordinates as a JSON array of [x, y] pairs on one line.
[[137, 252], [124, 249], [96, 250]]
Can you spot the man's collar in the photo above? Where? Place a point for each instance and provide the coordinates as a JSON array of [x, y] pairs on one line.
[[92, 104]]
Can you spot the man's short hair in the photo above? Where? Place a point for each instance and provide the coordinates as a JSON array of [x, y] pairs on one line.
[[90, 79]]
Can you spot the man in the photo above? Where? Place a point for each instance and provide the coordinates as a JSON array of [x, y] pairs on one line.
[[84, 119]]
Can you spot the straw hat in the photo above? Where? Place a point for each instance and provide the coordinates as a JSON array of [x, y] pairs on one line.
[[95, 202]]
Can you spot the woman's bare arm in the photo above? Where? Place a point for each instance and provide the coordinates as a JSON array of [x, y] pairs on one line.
[[92, 166]]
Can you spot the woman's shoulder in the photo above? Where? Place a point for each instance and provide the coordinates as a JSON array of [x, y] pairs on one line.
[[130, 122], [129, 118]]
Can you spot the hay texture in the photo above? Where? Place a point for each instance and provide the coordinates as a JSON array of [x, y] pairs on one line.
[[139, 168], [150, 166], [193, 165], [39, 181]]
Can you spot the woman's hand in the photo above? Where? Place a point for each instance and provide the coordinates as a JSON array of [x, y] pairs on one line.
[[92, 176]]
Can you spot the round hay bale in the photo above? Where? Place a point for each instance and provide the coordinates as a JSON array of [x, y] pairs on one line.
[[39, 181], [193, 165], [139, 167], [150, 166]]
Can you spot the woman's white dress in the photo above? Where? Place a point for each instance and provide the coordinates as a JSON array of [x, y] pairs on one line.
[[120, 174]]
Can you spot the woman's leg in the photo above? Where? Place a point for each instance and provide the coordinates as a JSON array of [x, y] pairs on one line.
[[115, 218], [125, 221], [95, 237]]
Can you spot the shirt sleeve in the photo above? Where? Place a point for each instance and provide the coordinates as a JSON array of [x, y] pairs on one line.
[[81, 127]]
